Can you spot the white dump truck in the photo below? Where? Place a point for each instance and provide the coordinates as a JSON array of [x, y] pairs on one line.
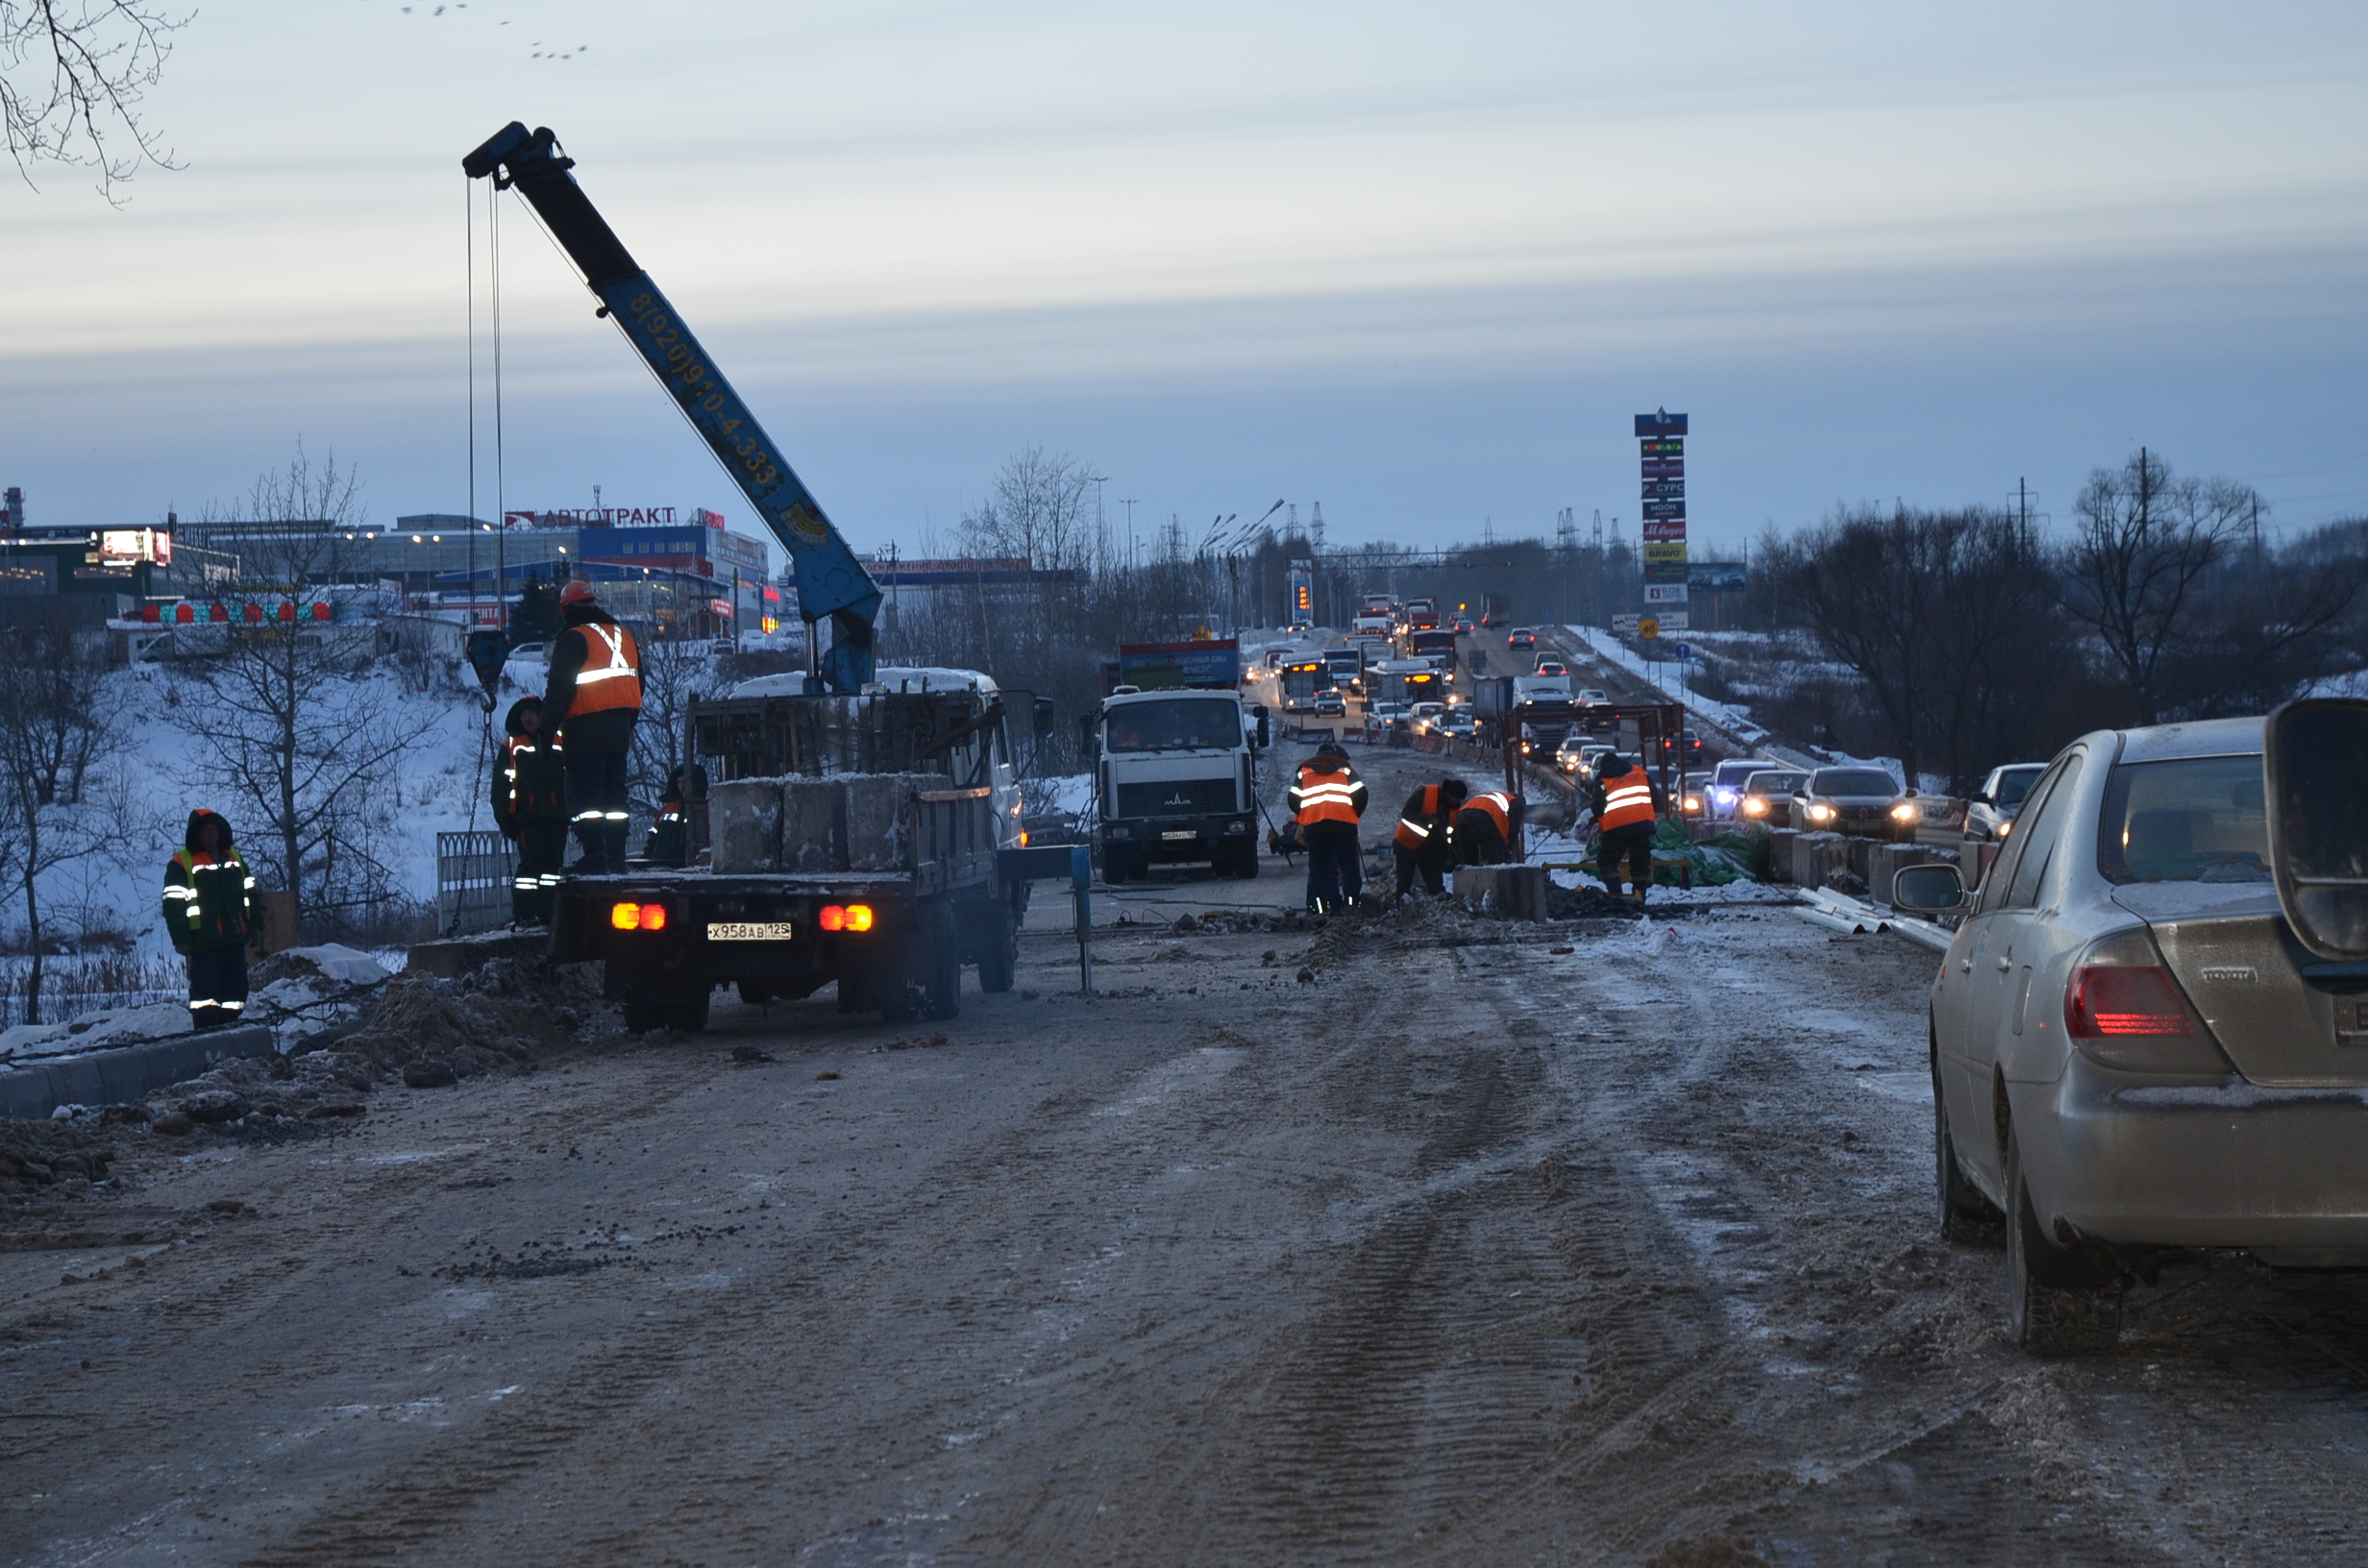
[[1176, 781]]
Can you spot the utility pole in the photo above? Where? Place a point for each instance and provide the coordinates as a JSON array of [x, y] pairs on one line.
[[1128, 501]]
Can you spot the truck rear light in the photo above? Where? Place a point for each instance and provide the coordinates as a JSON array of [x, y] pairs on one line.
[[637, 917], [845, 918]]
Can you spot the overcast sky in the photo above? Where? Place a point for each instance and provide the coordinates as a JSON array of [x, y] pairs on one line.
[[1418, 263]]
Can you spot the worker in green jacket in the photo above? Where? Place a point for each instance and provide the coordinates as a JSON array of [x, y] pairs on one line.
[[530, 806], [210, 912]]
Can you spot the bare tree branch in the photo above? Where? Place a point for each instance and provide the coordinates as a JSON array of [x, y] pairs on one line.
[[72, 77]]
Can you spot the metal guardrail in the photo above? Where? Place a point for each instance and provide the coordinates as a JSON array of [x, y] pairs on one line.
[[474, 872]]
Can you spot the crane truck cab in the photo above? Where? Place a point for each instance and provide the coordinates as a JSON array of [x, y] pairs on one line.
[[1176, 781]]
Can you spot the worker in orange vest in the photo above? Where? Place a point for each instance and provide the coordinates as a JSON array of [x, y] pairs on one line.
[[1484, 828], [591, 706], [1425, 833], [1327, 800], [1626, 823]]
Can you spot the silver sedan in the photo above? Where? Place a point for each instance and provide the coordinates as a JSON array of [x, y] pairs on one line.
[[2132, 1052]]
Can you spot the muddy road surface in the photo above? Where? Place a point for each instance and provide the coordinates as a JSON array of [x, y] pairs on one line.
[[1462, 1250]]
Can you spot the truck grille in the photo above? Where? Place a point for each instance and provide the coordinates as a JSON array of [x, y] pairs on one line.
[[1177, 797]]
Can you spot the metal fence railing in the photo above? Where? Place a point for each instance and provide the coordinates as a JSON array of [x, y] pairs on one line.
[[473, 876]]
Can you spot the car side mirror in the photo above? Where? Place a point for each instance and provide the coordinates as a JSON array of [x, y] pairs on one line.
[[1266, 733], [2311, 759], [1928, 889], [1044, 719]]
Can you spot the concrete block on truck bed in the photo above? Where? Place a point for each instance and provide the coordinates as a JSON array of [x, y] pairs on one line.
[[1780, 854], [1510, 892], [878, 819], [744, 824], [813, 824]]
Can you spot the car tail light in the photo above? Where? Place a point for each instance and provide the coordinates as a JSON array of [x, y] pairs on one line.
[[637, 917], [2125, 1011]]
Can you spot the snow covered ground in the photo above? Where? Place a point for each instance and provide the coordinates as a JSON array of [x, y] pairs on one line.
[[1668, 677]]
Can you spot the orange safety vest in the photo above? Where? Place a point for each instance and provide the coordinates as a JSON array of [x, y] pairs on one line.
[[1326, 798], [611, 673], [1627, 801], [1498, 808], [1413, 835]]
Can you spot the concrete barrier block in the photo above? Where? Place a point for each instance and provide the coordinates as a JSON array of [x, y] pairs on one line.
[[1813, 855], [1859, 854], [877, 831], [1510, 892], [744, 824], [1889, 861], [1780, 854], [118, 1077]]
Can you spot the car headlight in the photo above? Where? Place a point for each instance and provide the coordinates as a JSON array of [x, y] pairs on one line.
[[1905, 812], [1693, 802], [1818, 814], [2005, 828], [1755, 807]]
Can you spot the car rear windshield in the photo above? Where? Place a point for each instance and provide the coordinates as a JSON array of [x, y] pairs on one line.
[[2016, 783], [1767, 783], [1175, 724], [1735, 772], [2188, 820], [1853, 781]]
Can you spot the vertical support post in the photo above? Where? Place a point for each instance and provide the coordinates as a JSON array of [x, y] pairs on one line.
[[1081, 889]]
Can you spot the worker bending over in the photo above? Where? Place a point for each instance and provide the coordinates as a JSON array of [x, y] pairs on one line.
[[1326, 800], [1425, 834], [592, 704], [1624, 817], [1484, 828]]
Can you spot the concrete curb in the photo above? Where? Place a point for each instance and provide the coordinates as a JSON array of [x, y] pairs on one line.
[[125, 1074]]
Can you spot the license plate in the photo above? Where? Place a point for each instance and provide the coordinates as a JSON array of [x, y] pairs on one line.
[[1182, 833], [749, 931]]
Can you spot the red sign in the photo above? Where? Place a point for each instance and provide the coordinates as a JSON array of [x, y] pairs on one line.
[[1663, 531]]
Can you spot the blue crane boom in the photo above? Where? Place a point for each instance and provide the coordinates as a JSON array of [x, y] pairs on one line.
[[831, 583]]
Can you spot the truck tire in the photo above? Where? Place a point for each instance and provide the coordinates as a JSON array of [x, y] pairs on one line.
[[999, 959], [1118, 864], [938, 961], [640, 1017], [1245, 862], [689, 1017]]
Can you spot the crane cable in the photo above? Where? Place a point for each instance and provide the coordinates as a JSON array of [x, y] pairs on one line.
[[484, 730]]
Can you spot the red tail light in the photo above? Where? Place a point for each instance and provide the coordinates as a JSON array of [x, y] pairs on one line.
[[833, 918], [2110, 1002]]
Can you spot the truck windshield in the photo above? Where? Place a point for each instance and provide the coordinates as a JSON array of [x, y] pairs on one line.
[[2194, 819], [1174, 724]]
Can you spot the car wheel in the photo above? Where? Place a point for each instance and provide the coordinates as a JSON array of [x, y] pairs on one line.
[[2058, 1303], [1965, 1215]]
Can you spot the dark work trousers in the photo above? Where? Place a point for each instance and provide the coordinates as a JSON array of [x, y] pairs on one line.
[[1431, 865], [1633, 843], [1477, 843], [542, 849], [598, 804], [1334, 873], [217, 986]]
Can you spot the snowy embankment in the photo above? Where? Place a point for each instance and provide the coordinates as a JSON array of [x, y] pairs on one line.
[[437, 783], [1666, 676]]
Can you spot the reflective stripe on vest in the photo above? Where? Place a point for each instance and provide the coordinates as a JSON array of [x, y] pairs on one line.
[[616, 684], [1626, 805], [1326, 798], [1411, 834]]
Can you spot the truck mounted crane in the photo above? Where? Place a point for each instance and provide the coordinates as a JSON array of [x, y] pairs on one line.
[[831, 583]]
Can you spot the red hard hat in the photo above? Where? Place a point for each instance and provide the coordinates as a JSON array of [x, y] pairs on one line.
[[577, 591]]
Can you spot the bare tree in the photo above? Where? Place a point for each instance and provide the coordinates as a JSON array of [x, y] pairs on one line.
[[286, 719], [1863, 585], [2144, 543], [58, 805], [72, 75], [674, 673]]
